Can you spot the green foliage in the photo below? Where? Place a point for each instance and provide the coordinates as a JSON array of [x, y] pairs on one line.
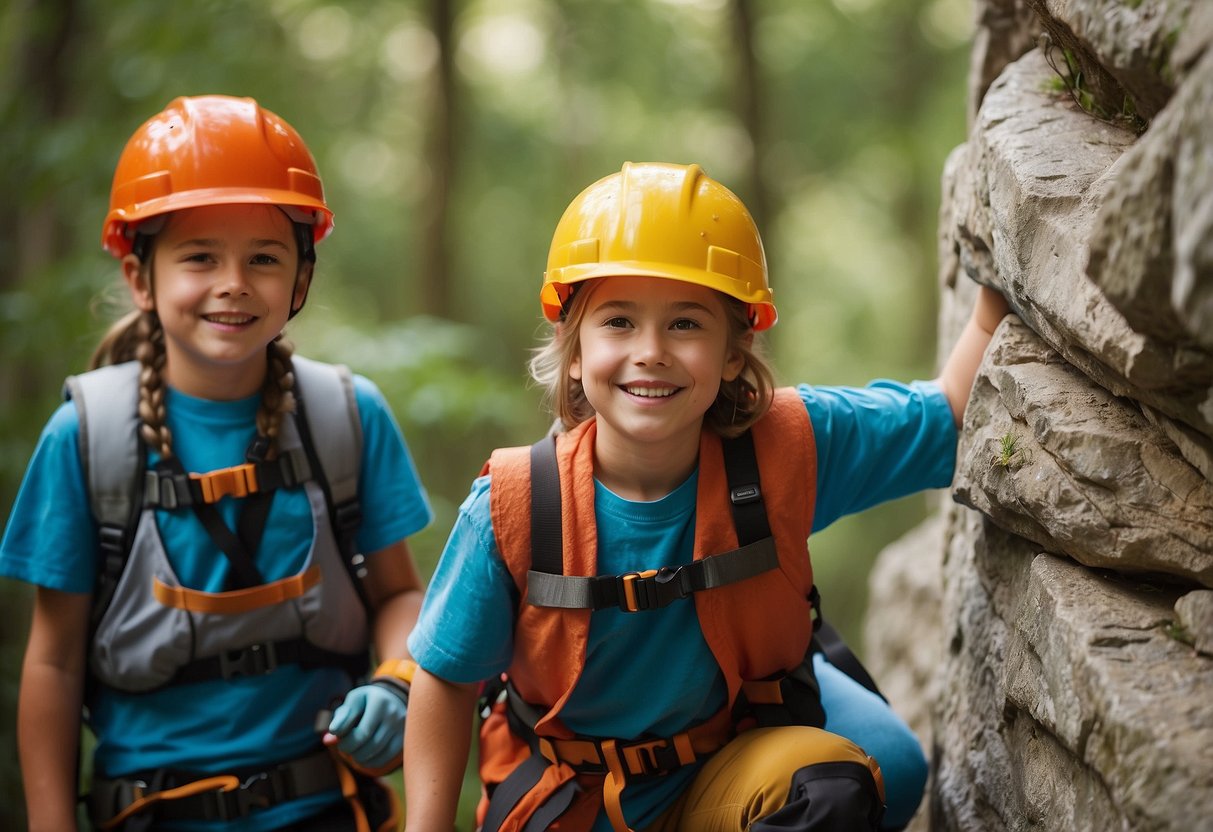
[[1071, 78], [1010, 454], [1178, 632]]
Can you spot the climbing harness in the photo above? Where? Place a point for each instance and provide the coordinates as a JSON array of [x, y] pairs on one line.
[[167, 795], [789, 697]]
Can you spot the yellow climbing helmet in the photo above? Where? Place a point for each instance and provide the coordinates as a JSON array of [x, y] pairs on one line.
[[659, 220]]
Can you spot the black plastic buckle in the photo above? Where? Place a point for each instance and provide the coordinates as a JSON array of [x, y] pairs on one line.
[[257, 792], [119, 796], [254, 660], [651, 589], [348, 515], [649, 758], [112, 539]]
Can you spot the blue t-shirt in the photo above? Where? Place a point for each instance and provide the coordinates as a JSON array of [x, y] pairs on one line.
[[212, 726], [874, 444]]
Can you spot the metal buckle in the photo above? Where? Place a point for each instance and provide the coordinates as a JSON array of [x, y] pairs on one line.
[[254, 660]]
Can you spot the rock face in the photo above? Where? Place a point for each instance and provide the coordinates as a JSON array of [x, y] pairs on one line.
[[1061, 664]]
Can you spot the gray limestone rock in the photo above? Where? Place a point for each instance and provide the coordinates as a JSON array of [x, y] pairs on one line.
[[1055, 458], [1034, 174]]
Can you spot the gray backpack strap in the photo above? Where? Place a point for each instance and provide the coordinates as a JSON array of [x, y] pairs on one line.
[[327, 393], [107, 403], [331, 432]]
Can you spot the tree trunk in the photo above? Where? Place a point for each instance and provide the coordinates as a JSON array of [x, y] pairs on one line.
[[440, 156], [748, 102]]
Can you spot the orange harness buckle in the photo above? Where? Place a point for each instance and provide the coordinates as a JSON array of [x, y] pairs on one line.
[[237, 481], [631, 602]]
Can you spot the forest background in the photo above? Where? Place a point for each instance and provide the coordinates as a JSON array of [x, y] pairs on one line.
[[450, 137]]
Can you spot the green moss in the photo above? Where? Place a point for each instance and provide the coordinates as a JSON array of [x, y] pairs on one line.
[[1179, 633]]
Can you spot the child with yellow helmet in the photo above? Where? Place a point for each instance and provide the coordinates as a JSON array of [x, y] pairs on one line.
[[635, 593], [216, 527]]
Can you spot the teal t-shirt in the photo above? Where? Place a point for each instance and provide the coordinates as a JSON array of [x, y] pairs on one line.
[[213, 726], [873, 444]]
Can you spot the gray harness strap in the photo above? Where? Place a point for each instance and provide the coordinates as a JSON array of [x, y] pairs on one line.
[[107, 402], [635, 591], [332, 419]]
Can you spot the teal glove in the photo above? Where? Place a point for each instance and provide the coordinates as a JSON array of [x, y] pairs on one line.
[[369, 725]]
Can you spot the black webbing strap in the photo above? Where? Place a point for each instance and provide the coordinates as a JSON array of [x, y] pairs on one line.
[[653, 588], [750, 518], [244, 572], [745, 489], [264, 657], [547, 536], [509, 791], [828, 641], [547, 586], [345, 517], [261, 788], [557, 804]]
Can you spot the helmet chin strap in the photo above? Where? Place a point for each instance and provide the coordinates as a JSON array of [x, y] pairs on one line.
[[141, 234]]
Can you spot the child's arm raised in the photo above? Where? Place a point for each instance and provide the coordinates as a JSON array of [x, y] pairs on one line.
[[48, 720], [436, 741], [961, 367]]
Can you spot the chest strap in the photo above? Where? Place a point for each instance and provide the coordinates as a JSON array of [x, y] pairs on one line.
[[170, 490], [169, 795], [547, 586], [652, 588]]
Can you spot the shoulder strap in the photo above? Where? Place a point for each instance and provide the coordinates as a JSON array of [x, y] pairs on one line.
[[332, 416], [112, 455], [107, 403], [745, 489], [547, 536], [328, 411]]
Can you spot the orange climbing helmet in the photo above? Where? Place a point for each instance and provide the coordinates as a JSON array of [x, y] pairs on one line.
[[659, 220], [212, 150]]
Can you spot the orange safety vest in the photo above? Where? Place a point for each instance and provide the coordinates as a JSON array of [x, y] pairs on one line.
[[756, 629]]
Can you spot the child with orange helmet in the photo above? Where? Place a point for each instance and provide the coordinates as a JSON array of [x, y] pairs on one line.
[[636, 591], [229, 521]]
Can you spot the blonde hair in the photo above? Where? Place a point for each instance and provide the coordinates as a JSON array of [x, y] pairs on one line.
[[739, 404], [138, 336]]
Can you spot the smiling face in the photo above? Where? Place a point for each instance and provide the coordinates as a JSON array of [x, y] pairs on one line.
[[223, 280], [652, 354]]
